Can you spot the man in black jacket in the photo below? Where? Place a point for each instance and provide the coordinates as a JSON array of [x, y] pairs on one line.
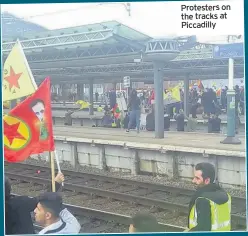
[[210, 207], [18, 209]]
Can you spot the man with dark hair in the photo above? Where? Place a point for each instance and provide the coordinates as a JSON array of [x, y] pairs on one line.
[[210, 207], [143, 223], [50, 214], [18, 208], [38, 107]]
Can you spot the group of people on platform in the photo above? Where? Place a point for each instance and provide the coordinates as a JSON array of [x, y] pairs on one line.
[[209, 209], [137, 117]]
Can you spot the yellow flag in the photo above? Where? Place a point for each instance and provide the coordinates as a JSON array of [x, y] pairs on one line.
[[18, 80], [83, 104], [99, 109], [172, 96]]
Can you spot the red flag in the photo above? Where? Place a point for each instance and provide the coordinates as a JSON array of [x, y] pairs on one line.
[[200, 85], [152, 97], [28, 127], [116, 111]]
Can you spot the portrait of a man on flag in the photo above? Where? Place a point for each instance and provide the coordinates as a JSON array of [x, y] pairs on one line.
[[28, 127], [38, 107]]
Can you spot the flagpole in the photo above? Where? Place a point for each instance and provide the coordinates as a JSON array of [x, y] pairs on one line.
[[58, 165], [51, 154]]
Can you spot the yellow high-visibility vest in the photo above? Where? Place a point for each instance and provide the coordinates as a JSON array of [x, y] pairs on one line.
[[220, 215]]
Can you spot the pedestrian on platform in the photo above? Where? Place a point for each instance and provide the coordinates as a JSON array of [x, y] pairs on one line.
[[214, 123], [55, 219], [180, 121], [166, 122], [210, 207], [134, 105], [191, 124], [96, 96], [18, 208], [142, 223]]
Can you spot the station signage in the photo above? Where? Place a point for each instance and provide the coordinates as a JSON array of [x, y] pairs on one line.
[[126, 82], [228, 50]]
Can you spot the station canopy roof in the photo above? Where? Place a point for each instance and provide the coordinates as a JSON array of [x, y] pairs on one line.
[[120, 32]]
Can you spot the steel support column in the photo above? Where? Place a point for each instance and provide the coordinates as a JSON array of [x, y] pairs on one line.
[[80, 91], [159, 100], [186, 96], [232, 112], [231, 119], [91, 93], [114, 86], [64, 93]]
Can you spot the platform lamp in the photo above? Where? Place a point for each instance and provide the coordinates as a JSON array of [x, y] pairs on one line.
[[231, 110]]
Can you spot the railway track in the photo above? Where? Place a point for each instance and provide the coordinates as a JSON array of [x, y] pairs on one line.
[[168, 198], [96, 221]]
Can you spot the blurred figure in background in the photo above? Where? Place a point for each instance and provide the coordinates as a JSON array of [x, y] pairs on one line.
[[142, 223], [134, 105]]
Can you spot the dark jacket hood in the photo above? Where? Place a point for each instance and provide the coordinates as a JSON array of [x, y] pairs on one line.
[[211, 191]]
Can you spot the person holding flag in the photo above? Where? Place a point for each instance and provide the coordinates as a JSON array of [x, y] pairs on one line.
[[28, 130], [18, 208]]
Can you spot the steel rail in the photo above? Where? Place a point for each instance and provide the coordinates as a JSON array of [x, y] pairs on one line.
[[239, 220], [131, 182], [109, 216]]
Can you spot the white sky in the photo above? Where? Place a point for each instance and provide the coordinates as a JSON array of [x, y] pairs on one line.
[[155, 19]]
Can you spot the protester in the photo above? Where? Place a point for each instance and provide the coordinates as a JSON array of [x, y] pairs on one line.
[[210, 207], [180, 120], [107, 120], [166, 122], [134, 106], [96, 96], [214, 123], [191, 124], [223, 98], [68, 118], [150, 121], [18, 208], [142, 223], [242, 101], [55, 219]]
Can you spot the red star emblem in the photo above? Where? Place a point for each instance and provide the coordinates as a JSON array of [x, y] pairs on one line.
[[11, 132], [13, 78]]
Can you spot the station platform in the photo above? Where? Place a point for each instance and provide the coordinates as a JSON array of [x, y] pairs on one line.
[[174, 156], [60, 113], [187, 140], [83, 119]]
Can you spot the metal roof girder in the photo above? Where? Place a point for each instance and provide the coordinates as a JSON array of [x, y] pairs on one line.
[[161, 45], [61, 40], [81, 53], [198, 75], [190, 65], [193, 56], [202, 63], [131, 43]]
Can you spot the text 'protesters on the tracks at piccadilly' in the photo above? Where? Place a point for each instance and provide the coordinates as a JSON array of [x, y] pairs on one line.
[[208, 17]]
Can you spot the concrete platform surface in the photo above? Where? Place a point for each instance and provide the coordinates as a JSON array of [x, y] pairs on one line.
[[187, 141]]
